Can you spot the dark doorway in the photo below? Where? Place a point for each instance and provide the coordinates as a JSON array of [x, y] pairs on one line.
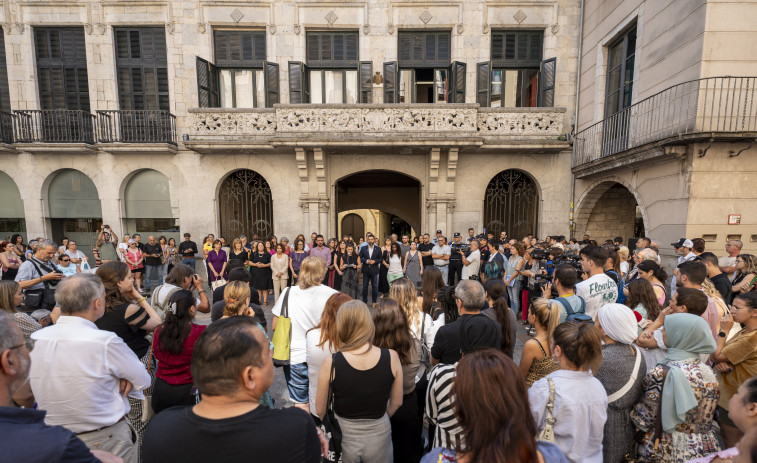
[[245, 205], [352, 224], [399, 227]]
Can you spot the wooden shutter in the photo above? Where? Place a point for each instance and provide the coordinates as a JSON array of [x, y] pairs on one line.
[[5, 100], [239, 48], [517, 49], [207, 84], [424, 48], [365, 71], [332, 49], [272, 88], [391, 82], [547, 82], [298, 84], [457, 84], [483, 83], [142, 68], [62, 68]]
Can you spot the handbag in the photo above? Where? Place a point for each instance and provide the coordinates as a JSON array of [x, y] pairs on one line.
[[548, 433], [219, 282], [425, 353], [147, 411], [330, 425], [41, 298], [627, 387], [656, 457], [282, 335]]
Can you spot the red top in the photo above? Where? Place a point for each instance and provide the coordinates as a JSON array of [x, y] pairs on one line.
[[174, 368]]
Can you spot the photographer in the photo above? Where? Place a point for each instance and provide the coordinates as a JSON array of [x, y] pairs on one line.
[[472, 262], [455, 260], [564, 281], [535, 274], [182, 276], [106, 244], [38, 278]]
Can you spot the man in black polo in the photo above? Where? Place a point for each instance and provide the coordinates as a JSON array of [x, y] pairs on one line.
[[187, 251], [153, 263], [425, 249]]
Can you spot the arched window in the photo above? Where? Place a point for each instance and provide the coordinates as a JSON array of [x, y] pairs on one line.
[[11, 208], [245, 205], [147, 199], [352, 224], [75, 210], [511, 204]]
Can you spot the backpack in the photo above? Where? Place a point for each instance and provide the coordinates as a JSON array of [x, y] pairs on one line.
[[161, 308], [576, 317], [492, 270], [621, 295]]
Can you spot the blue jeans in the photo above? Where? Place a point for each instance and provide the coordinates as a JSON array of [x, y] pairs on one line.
[[152, 273], [513, 293], [189, 261], [296, 376], [373, 279]]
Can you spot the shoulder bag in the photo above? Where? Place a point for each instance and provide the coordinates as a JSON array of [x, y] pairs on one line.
[[160, 308], [282, 335], [220, 281], [330, 425], [657, 434], [425, 353], [41, 298], [147, 411], [548, 433], [627, 387]]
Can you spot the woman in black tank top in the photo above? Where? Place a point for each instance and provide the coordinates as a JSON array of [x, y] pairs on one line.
[[367, 387]]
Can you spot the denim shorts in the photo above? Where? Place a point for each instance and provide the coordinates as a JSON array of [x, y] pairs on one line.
[[297, 382]]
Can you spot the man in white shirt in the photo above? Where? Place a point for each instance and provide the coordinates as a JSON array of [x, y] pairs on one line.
[[472, 263], [81, 376], [598, 289], [441, 253], [683, 249], [727, 263]]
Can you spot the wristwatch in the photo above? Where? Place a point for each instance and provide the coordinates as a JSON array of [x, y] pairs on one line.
[[722, 334]]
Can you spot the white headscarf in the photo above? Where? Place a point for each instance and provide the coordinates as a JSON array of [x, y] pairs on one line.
[[618, 322]]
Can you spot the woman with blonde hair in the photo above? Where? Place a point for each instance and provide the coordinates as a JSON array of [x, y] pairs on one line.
[[304, 302], [623, 254], [421, 324], [536, 360], [745, 275], [366, 382], [237, 295]]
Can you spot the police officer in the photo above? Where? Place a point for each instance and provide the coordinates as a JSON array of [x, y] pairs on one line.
[[455, 262]]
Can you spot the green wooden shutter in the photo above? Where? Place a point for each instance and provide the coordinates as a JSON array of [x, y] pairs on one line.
[[517, 49], [272, 87], [207, 84], [299, 91], [547, 82], [483, 83], [365, 71], [390, 82], [424, 48], [457, 85]]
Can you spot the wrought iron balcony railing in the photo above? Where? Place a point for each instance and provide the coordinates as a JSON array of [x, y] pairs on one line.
[[136, 126], [54, 126], [705, 106], [6, 127]]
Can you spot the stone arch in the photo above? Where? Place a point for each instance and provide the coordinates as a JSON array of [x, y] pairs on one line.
[[245, 204], [88, 205], [11, 208], [592, 195], [511, 202]]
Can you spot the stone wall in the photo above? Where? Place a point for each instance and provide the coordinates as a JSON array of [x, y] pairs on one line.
[[613, 215]]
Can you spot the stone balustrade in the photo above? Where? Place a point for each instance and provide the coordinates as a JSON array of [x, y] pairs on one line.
[[373, 122]]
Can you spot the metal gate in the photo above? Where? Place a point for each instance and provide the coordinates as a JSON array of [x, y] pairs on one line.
[[245, 206], [511, 204]]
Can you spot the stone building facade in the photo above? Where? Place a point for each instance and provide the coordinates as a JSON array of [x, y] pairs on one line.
[[137, 138]]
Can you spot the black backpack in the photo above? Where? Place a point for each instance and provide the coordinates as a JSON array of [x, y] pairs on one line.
[[579, 317]]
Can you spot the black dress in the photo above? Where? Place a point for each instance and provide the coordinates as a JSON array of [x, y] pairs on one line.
[[260, 275], [237, 260], [383, 272], [335, 258]]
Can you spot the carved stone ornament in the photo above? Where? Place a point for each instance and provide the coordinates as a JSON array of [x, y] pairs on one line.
[[237, 15], [485, 29], [323, 206], [304, 206], [390, 29], [425, 17], [366, 29], [460, 28], [555, 29], [297, 29], [519, 16], [170, 27], [331, 17], [272, 29], [431, 205], [202, 27]]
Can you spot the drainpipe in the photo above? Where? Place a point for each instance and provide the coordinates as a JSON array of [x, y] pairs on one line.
[[575, 116]]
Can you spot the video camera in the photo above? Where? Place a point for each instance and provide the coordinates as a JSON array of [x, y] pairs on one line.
[[542, 255], [457, 247]]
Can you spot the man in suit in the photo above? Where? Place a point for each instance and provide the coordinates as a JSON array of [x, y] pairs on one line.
[[370, 256]]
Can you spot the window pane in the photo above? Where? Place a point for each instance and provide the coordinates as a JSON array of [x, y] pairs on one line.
[[227, 90], [259, 89], [243, 88], [351, 84], [441, 82], [316, 86], [496, 88], [406, 86], [334, 81]]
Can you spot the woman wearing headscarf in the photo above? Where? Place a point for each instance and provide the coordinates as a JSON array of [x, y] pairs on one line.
[[689, 395], [622, 372]]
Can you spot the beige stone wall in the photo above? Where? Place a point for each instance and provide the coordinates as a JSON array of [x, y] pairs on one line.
[[613, 215]]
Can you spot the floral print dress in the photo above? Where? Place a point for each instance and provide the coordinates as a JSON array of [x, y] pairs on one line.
[[691, 439]]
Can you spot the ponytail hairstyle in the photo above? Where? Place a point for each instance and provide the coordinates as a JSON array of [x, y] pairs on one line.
[[547, 314], [178, 323], [581, 344], [235, 294], [497, 292], [657, 271]]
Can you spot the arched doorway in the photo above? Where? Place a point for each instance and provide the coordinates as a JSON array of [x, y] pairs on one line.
[[607, 211], [353, 224], [147, 204], [12, 219], [386, 201], [511, 204], [75, 210], [245, 205]]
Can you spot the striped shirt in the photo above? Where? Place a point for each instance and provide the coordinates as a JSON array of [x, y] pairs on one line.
[[440, 409]]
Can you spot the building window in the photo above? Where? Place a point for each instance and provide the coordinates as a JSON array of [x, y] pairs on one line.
[[5, 99], [424, 72], [142, 68], [62, 68], [240, 77], [328, 86], [620, 65], [516, 76]]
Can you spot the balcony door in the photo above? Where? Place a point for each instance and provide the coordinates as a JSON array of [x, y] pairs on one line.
[[619, 93]]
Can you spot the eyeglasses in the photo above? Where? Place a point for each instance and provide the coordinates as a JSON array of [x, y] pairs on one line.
[[29, 343], [65, 260]]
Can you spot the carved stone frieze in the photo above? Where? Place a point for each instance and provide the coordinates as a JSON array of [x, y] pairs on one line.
[[516, 123]]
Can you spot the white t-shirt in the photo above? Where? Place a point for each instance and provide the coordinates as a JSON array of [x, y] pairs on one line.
[[623, 268], [597, 291], [315, 357], [123, 247], [305, 309], [727, 261], [473, 268]]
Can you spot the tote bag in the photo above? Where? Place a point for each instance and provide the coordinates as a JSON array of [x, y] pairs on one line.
[[282, 336]]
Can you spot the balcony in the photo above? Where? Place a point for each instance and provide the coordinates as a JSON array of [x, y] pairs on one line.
[[704, 109], [54, 130], [136, 130], [387, 125], [6, 131]]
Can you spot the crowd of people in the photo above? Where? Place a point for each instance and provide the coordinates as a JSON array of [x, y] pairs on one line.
[[621, 362]]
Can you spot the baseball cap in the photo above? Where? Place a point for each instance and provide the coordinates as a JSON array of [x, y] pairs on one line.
[[438, 232], [683, 242], [457, 235]]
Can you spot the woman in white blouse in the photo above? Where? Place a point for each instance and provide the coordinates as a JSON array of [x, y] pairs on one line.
[[279, 270], [580, 400]]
